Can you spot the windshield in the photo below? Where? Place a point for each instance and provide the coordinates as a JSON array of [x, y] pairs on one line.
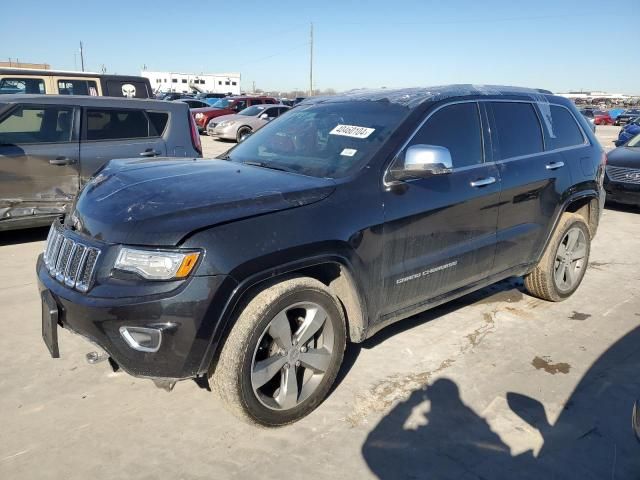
[[634, 142], [253, 111], [323, 140], [221, 103]]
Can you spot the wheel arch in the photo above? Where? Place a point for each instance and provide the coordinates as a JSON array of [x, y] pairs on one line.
[[585, 203], [333, 271]]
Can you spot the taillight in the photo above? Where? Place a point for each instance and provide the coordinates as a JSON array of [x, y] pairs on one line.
[[195, 136]]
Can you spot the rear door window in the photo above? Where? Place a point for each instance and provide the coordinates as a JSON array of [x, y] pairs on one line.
[[77, 87], [37, 124], [117, 124], [456, 127], [21, 85], [517, 129], [566, 132]]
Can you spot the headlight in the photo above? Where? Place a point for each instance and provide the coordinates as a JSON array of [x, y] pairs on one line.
[[225, 123], [156, 265], [199, 115]]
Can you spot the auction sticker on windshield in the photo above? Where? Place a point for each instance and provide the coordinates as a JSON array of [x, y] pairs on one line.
[[352, 131]]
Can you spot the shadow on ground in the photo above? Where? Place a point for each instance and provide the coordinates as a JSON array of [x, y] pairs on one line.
[[591, 439]]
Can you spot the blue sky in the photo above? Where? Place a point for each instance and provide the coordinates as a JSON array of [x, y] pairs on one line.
[[559, 45]]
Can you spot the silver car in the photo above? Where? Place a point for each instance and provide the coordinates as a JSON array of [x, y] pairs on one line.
[[238, 125]]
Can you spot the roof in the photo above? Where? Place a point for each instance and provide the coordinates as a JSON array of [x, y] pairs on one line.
[[44, 73], [412, 97], [89, 100]]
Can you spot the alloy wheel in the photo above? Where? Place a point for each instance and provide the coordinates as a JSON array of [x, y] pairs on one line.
[[570, 259], [292, 356]]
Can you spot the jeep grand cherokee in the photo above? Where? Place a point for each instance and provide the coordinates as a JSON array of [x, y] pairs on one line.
[[347, 214]]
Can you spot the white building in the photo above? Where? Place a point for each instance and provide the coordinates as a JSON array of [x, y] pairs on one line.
[[188, 82]]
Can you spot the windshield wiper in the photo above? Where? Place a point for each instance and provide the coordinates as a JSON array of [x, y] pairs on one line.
[[268, 165]]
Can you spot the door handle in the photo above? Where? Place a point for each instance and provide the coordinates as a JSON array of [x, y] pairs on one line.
[[554, 165], [149, 152], [483, 181], [61, 161]]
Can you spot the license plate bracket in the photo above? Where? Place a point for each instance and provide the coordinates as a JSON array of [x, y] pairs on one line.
[[50, 315]]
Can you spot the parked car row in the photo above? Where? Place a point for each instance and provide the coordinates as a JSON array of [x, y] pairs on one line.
[[227, 106]]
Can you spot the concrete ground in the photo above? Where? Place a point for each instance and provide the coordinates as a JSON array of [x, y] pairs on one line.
[[495, 385]]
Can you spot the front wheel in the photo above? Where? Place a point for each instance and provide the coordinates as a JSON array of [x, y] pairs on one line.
[[562, 267], [242, 133], [283, 353]]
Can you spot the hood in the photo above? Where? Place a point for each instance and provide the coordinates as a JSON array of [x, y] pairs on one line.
[[233, 116], [158, 202], [204, 109], [624, 157]]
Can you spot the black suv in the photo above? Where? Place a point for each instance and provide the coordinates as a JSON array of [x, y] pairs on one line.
[[343, 216]]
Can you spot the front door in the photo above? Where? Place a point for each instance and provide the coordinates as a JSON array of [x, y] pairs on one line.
[[439, 232], [39, 156]]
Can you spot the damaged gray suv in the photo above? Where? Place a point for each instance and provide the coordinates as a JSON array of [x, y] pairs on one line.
[[52, 145]]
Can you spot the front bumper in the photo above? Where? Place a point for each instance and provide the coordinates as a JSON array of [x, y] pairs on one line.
[[227, 133], [619, 192], [190, 314]]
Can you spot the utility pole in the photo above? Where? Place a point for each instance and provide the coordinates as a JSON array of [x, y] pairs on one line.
[[81, 57], [311, 61], [254, 86]]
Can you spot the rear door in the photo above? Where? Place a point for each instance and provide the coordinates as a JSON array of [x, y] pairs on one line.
[[39, 154], [109, 133], [534, 180]]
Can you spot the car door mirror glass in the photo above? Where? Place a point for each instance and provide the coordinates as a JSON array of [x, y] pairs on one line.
[[423, 161], [264, 116]]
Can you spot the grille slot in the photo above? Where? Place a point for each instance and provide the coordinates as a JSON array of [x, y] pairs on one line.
[[70, 261], [624, 174]]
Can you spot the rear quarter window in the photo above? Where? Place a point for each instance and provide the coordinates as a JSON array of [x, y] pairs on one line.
[[157, 123], [566, 132]]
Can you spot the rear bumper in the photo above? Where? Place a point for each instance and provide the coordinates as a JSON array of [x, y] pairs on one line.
[[188, 317]]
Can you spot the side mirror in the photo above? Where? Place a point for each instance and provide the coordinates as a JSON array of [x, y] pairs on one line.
[[422, 161], [264, 116]]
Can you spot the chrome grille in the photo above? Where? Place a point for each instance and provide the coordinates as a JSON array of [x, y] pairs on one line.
[[624, 174], [69, 261]]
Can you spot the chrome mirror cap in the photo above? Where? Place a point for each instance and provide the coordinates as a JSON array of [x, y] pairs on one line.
[[427, 159]]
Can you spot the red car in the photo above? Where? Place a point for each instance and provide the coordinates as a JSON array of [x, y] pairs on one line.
[[600, 117], [226, 106]]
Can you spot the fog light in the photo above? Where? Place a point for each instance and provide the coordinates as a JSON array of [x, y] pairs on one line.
[[142, 339]]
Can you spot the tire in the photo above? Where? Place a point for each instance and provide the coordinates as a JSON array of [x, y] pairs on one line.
[[242, 131], [264, 396], [560, 270], [204, 130]]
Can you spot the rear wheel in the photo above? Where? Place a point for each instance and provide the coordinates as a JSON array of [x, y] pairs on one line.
[[563, 265], [283, 353]]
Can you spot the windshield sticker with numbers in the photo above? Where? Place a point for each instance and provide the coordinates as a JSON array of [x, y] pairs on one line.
[[352, 131]]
